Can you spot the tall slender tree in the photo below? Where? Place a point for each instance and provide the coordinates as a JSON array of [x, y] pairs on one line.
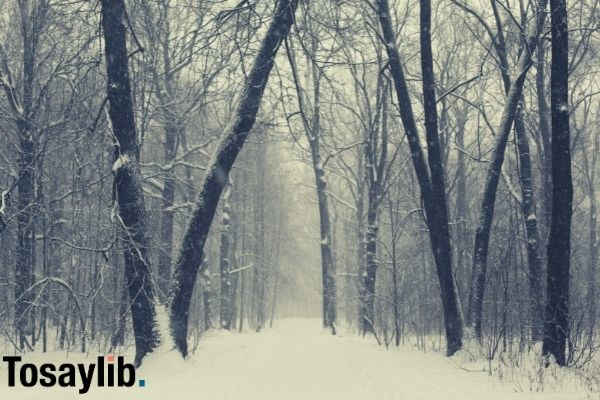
[[556, 323], [430, 178]]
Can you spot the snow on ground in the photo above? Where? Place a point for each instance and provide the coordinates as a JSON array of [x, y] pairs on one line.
[[293, 360]]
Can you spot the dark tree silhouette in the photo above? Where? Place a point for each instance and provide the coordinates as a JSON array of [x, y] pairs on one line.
[[556, 324], [127, 180], [192, 249], [431, 178]]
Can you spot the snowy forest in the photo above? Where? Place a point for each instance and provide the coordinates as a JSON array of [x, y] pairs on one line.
[[418, 175]]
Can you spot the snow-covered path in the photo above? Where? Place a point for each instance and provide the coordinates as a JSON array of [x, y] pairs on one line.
[[297, 360]]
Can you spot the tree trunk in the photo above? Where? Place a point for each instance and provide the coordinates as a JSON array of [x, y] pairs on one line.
[[127, 180], [544, 147], [24, 267], [260, 264], [207, 295], [592, 261], [536, 298], [226, 300], [432, 190], [368, 320], [167, 217], [360, 255], [556, 324], [461, 238], [188, 263], [486, 215]]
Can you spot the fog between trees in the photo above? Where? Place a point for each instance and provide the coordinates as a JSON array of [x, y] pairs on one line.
[[413, 171]]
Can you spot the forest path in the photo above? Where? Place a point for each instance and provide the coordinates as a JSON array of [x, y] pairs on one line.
[[296, 359]]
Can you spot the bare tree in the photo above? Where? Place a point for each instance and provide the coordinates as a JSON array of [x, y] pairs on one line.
[[128, 192], [482, 236], [430, 178], [233, 139], [556, 322]]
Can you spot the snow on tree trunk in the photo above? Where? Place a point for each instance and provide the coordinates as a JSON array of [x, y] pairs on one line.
[[127, 181], [191, 254], [536, 298], [432, 189], [226, 300], [368, 318], [486, 213]]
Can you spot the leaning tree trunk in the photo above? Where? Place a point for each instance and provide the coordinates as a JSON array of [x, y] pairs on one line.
[[556, 323], [188, 263], [486, 215], [432, 189], [127, 180], [437, 211]]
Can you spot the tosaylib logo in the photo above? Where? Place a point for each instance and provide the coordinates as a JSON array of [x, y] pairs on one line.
[[66, 374]]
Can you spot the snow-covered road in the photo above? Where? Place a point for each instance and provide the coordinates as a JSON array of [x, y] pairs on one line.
[[297, 360]]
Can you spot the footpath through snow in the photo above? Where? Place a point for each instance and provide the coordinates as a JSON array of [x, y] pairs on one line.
[[294, 360]]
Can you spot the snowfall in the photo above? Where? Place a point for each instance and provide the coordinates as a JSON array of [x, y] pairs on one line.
[[297, 359]]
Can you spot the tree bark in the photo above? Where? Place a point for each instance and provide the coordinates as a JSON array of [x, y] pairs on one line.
[[167, 217], [368, 318], [590, 168], [544, 147], [327, 265], [127, 180], [536, 298], [432, 189], [556, 324], [486, 215], [188, 263], [226, 300], [260, 273]]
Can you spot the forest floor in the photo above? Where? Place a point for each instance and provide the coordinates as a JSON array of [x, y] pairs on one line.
[[296, 359]]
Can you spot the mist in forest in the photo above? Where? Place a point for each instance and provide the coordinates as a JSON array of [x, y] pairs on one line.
[[182, 180]]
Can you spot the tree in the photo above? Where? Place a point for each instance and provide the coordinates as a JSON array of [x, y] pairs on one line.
[[191, 254], [128, 192], [556, 322], [430, 178], [514, 92], [310, 112], [226, 298]]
